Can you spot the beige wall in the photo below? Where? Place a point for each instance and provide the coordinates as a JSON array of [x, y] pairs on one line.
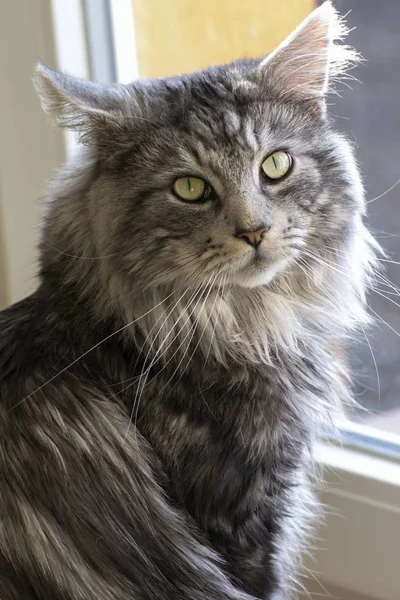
[[29, 147], [3, 274], [318, 590], [178, 36]]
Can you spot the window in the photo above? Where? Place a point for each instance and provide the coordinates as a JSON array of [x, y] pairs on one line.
[[370, 116]]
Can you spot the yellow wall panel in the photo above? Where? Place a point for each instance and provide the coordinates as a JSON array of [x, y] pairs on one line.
[[179, 36]]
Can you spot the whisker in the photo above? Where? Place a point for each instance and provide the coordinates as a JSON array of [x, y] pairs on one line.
[[375, 363], [78, 257], [191, 338], [87, 352], [193, 330], [111, 335], [387, 298], [382, 320], [384, 193], [145, 374], [364, 332], [146, 369], [393, 262], [200, 337], [216, 319]]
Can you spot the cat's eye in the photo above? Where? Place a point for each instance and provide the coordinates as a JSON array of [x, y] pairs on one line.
[[277, 165], [191, 189]]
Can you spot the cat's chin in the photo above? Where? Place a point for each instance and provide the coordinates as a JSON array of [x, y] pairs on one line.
[[255, 276]]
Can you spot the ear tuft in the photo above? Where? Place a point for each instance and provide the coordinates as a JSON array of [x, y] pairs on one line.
[[96, 112], [341, 57], [69, 100], [307, 63]]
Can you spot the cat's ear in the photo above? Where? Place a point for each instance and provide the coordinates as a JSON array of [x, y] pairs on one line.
[[310, 59], [91, 109]]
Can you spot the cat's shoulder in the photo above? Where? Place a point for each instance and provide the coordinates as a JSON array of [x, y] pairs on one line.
[[36, 343], [18, 336]]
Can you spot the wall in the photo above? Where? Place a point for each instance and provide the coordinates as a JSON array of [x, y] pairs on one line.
[[29, 147], [3, 273], [181, 35], [319, 591]]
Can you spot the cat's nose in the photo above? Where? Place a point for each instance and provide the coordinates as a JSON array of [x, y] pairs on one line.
[[254, 238]]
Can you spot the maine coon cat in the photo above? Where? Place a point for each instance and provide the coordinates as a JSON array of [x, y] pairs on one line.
[[162, 389]]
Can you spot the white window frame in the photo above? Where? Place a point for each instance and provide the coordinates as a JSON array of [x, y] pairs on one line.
[[363, 543], [360, 540], [122, 19]]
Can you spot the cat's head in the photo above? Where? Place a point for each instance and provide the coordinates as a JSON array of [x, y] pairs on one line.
[[234, 172]]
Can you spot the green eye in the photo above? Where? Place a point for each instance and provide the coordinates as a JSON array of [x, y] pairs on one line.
[[277, 164], [191, 188]]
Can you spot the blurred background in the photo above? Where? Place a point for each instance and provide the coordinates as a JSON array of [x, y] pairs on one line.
[[119, 40]]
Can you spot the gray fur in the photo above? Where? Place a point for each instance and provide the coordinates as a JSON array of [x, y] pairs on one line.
[[162, 390]]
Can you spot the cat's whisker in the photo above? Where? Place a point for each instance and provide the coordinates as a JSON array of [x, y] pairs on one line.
[[382, 320], [159, 354], [208, 406], [166, 317], [200, 336], [142, 382], [299, 262], [199, 292], [192, 329], [326, 263], [368, 342], [387, 260], [374, 361], [385, 234], [108, 337], [155, 339], [396, 293], [192, 333], [387, 298], [79, 257], [191, 256], [382, 280], [378, 275], [384, 193], [379, 292], [221, 293], [124, 327]]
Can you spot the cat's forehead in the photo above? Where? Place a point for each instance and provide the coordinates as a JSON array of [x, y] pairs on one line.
[[218, 120], [223, 108]]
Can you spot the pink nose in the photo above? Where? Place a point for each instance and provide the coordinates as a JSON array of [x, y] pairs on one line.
[[254, 238]]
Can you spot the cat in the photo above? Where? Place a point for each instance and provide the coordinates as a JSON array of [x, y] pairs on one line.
[[162, 389]]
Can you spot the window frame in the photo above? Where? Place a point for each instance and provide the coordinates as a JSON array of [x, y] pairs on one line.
[[360, 539]]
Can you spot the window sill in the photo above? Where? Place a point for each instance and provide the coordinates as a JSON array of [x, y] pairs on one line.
[[360, 540]]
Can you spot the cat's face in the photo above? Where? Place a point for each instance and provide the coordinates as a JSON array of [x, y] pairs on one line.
[[230, 173], [234, 220]]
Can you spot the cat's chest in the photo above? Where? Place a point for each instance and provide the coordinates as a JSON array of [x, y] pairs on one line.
[[223, 448]]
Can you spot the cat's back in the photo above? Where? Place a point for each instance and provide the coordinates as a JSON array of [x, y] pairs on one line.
[[51, 355], [22, 345]]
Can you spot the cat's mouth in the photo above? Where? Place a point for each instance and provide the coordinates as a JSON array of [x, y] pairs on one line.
[[260, 270]]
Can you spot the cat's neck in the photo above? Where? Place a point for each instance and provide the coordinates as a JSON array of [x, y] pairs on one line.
[[233, 327]]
